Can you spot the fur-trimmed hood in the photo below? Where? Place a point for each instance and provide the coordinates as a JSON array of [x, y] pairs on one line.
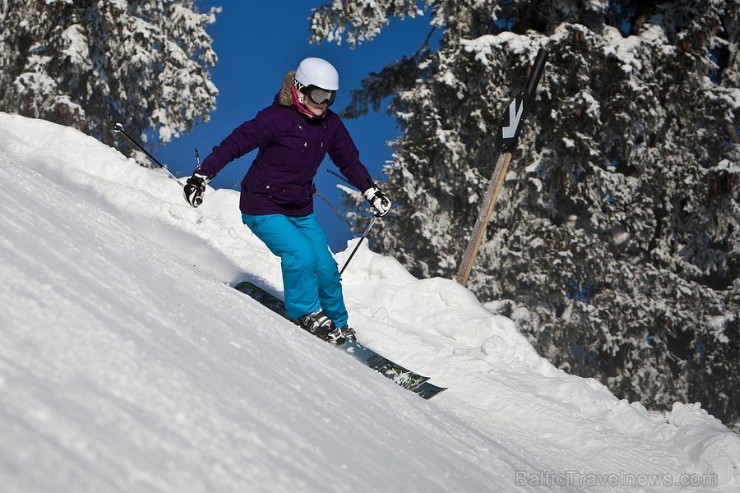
[[285, 97]]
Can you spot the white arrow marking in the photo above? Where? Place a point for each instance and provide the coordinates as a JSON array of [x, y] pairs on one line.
[[514, 116]]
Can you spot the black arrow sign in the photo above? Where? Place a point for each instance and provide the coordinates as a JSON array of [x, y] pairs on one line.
[[515, 112]]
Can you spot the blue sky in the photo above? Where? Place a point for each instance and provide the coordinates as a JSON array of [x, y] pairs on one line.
[[257, 43]]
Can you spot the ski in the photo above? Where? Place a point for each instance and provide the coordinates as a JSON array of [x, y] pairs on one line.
[[398, 374]]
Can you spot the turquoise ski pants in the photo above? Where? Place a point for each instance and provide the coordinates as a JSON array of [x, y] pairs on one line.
[[310, 274]]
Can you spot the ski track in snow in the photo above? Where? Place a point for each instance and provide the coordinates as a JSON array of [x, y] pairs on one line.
[[127, 363]]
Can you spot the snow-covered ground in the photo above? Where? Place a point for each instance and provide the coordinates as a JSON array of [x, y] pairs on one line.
[[127, 363]]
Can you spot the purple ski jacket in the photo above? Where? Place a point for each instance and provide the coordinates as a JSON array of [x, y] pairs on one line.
[[291, 149]]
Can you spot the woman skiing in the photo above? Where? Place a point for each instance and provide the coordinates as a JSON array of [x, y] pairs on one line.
[[293, 136]]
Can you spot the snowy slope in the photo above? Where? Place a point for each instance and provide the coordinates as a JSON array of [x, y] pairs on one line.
[[127, 363]]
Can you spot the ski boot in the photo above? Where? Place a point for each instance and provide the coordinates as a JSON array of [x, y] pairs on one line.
[[348, 333], [321, 326]]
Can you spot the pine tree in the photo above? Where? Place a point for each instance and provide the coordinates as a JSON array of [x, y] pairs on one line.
[[142, 63], [614, 244]]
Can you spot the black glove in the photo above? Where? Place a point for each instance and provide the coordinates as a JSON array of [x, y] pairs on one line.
[[378, 200], [194, 189]]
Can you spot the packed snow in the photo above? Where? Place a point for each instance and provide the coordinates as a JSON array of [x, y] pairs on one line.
[[128, 363]]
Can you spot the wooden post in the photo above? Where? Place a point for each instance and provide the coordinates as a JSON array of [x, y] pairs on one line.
[[508, 133], [484, 217]]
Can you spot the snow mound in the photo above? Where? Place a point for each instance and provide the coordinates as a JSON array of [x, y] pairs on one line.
[[127, 363]]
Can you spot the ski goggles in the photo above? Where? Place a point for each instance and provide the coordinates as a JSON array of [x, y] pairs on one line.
[[318, 95]]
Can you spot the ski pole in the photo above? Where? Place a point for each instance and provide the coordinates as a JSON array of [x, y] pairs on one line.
[[338, 176], [364, 235], [119, 128]]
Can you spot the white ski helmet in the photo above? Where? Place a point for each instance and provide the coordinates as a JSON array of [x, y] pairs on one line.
[[317, 72]]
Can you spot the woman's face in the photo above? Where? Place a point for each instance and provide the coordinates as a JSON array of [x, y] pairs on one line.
[[315, 109]]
